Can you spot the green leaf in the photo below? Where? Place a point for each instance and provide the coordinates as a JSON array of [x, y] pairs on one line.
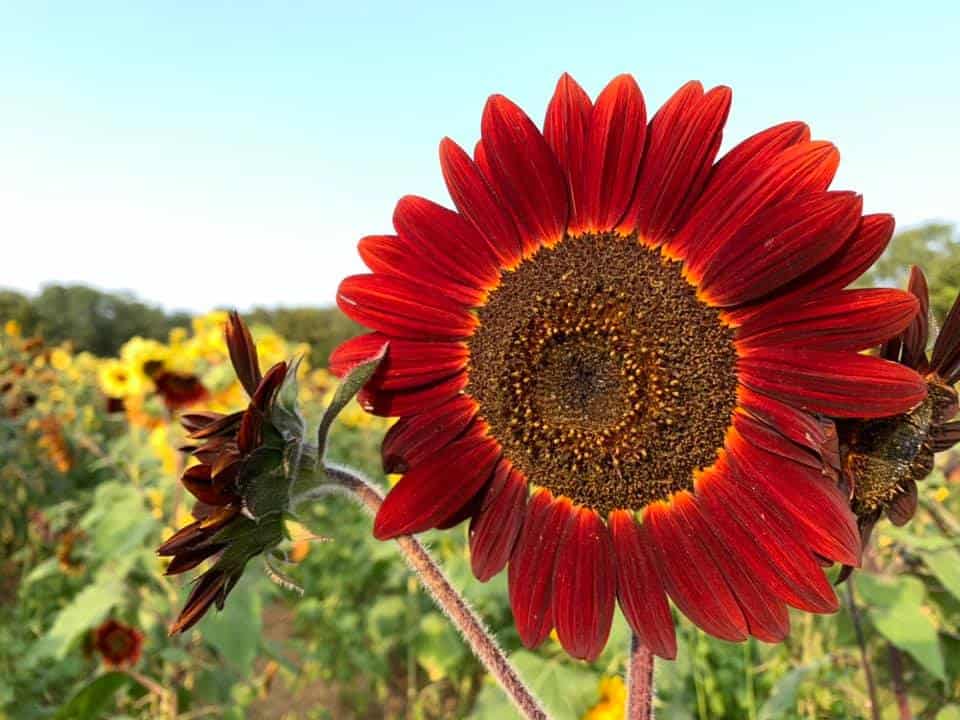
[[439, 650], [950, 712], [896, 608], [87, 610], [235, 631], [567, 688], [347, 390], [117, 521], [945, 565], [783, 695], [91, 701], [48, 567]]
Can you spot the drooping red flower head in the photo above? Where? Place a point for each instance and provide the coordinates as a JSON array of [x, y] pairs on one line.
[[884, 459], [226, 443], [119, 645], [614, 359]]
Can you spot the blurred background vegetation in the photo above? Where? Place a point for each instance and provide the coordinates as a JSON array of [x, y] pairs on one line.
[[88, 471]]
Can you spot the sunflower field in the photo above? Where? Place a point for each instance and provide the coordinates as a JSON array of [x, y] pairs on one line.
[[89, 465]]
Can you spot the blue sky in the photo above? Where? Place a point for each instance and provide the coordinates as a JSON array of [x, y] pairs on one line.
[[233, 153]]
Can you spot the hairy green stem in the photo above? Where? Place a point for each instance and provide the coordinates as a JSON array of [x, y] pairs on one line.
[[477, 635], [639, 681]]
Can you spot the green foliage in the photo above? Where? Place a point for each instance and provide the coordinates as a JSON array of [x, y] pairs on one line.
[[935, 247], [90, 701], [93, 320], [897, 612], [322, 328]]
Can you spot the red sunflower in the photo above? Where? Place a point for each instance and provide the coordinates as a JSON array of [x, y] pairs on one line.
[[613, 356], [884, 459], [119, 645]]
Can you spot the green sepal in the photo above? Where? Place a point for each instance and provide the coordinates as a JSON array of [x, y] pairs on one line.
[[263, 484], [285, 413], [346, 391]]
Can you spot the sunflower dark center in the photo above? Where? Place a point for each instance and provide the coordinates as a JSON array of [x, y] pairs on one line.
[[601, 373]]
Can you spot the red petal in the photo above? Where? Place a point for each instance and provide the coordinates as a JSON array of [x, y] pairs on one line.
[[531, 570], [917, 332], [437, 488], [397, 403], [640, 589], [197, 480], [765, 613], [684, 138], [243, 353], [615, 140], [945, 360], [415, 438], [585, 586], [845, 320], [403, 308], [837, 384], [690, 576], [770, 439], [765, 540], [724, 209], [816, 504], [390, 255], [858, 253], [796, 425], [777, 245], [565, 129], [496, 526], [477, 202], [449, 243], [856, 256], [407, 363], [758, 151], [525, 173], [738, 167]]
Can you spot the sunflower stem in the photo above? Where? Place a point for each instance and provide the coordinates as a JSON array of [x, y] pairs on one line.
[[478, 636], [899, 688], [639, 681], [864, 656]]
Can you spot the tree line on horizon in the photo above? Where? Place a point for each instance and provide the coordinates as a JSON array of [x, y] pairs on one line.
[[101, 322]]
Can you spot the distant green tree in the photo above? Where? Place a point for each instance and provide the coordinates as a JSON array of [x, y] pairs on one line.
[[17, 306], [322, 328], [935, 247], [93, 320]]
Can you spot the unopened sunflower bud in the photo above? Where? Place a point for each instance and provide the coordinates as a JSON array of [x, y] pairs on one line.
[[242, 480]]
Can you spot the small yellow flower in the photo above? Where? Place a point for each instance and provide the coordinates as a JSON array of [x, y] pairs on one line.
[[144, 357], [12, 328], [613, 698], [178, 335], [161, 446], [156, 498], [117, 381], [60, 359], [58, 394], [299, 551], [941, 494], [884, 542], [211, 321]]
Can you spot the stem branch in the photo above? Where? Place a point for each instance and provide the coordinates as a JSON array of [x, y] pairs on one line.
[[899, 688], [639, 682], [864, 659], [477, 635]]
